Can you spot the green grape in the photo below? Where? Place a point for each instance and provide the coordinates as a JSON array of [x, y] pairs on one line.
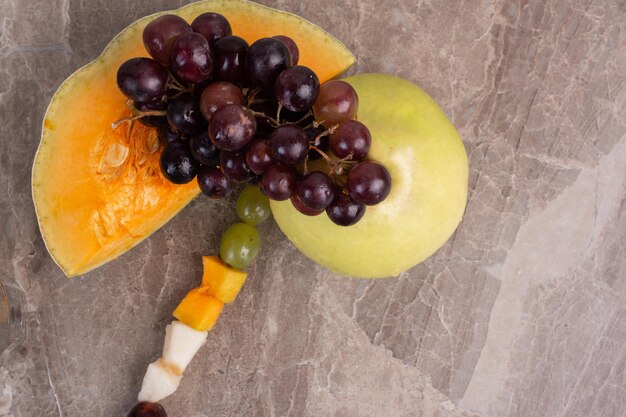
[[252, 206], [240, 245]]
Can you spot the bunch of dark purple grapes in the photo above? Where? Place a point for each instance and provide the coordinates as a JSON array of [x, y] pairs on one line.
[[228, 112]]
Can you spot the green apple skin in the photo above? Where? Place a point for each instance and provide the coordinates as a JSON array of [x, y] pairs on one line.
[[427, 162]]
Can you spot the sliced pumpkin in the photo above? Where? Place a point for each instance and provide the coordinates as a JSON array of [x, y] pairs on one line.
[[222, 280], [98, 191], [199, 309]]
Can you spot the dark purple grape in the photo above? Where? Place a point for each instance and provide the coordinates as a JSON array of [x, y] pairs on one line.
[[292, 46], [368, 183], [302, 208], [213, 183], [297, 88], [177, 164], [266, 59], [159, 34], [336, 103], [203, 149], [212, 26], [183, 114], [278, 182], [142, 79], [230, 57], [234, 166], [167, 135], [316, 190], [191, 58], [232, 127], [217, 95], [344, 211], [351, 137], [147, 409], [289, 144], [258, 155], [152, 121]]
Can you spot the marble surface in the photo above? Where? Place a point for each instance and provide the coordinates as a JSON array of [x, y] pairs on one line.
[[522, 313]]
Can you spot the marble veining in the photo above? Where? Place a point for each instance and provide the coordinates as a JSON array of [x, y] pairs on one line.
[[520, 314]]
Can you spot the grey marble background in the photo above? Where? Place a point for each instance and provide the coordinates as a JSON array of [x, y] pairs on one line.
[[522, 313]]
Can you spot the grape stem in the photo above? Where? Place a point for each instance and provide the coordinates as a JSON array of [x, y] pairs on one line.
[[138, 116], [129, 131], [180, 93], [314, 124], [252, 96], [335, 168], [175, 85], [324, 155], [260, 100], [327, 132], [276, 122], [348, 160], [305, 166], [303, 118], [272, 121], [280, 107]]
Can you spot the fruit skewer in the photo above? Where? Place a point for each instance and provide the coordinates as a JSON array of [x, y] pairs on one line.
[[199, 310], [195, 316]]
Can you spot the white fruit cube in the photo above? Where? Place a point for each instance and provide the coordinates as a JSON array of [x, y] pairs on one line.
[[159, 382], [181, 344]]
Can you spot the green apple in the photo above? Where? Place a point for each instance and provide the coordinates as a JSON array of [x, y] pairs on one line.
[[427, 162]]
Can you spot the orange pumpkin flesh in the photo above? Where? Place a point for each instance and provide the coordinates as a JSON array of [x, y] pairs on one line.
[[98, 191]]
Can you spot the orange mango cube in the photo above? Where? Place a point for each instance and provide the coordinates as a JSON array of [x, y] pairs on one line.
[[199, 309], [221, 280]]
